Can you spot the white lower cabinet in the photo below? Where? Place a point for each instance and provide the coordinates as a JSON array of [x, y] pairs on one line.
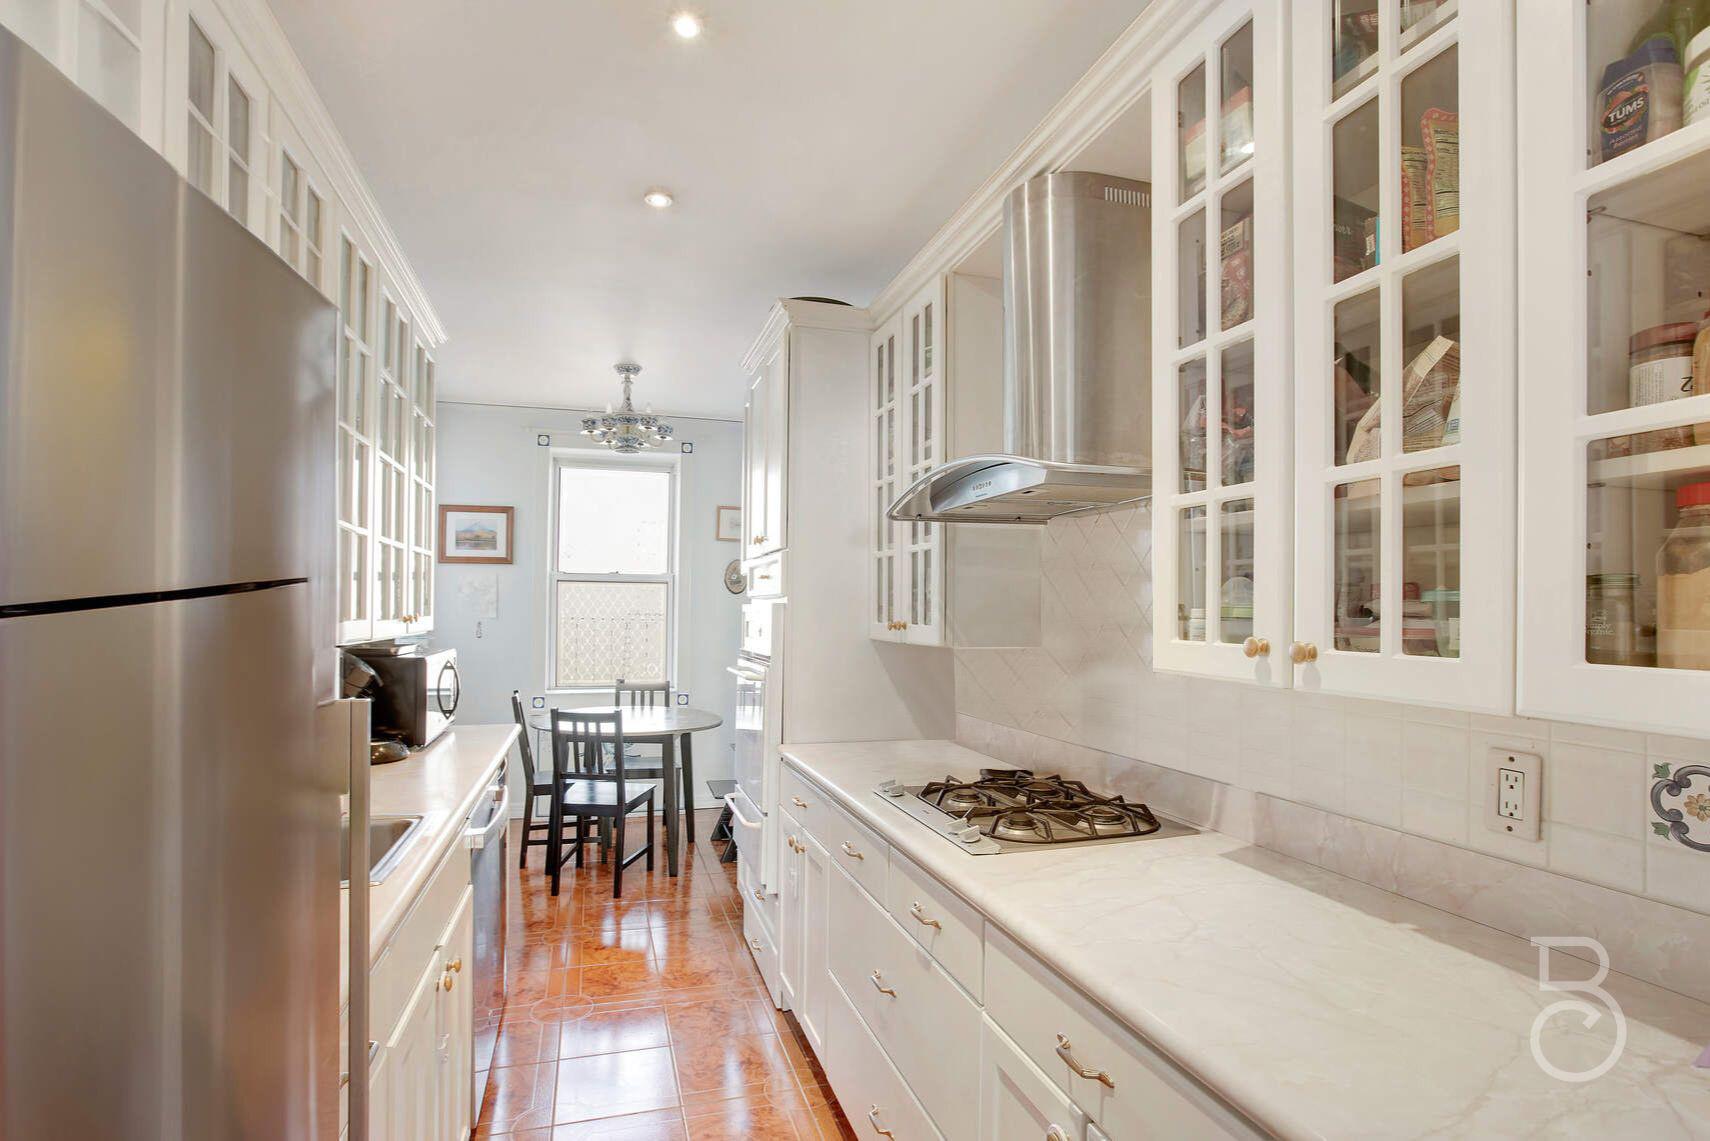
[[873, 1095], [422, 1078], [1017, 1102], [790, 934], [888, 966]]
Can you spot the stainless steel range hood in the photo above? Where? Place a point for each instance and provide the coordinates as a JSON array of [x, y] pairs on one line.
[[1077, 361]]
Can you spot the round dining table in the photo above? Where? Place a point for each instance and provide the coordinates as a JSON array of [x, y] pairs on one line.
[[671, 727]]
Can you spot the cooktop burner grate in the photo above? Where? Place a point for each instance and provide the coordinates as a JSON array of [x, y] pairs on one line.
[[1018, 806]]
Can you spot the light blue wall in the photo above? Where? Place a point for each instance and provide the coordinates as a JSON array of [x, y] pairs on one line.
[[489, 455]]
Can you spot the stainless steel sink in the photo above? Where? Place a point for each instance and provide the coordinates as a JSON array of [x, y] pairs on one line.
[[389, 838]]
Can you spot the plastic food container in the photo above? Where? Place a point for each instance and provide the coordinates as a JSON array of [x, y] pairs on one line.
[[1697, 96]]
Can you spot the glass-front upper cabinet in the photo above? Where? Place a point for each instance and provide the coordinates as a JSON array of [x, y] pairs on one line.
[[1221, 422], [1404, 299], [1615, 362], [885, 478], [355, 442], [906, 440], [423, 517], [393, 439]]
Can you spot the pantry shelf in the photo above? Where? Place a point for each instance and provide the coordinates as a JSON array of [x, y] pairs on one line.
[[1658, 184], [1659, 471]]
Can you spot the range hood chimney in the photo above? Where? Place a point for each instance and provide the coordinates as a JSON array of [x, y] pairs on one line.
[[1077, 361]]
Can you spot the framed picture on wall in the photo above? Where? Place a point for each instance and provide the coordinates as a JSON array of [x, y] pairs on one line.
[[470, 534], [730, 524]]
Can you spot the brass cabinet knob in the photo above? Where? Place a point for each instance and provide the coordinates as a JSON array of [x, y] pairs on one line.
[[1256, 647], [455, 965], [1056, 1133], [1300, 653], [447, 980]]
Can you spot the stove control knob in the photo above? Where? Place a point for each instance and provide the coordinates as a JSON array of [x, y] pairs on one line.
[[891, 788], [968, 835]]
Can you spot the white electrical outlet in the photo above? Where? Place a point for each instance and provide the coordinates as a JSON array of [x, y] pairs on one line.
[[1513, 793]]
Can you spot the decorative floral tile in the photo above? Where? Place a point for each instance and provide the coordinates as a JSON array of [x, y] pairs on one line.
[[1680, 805]]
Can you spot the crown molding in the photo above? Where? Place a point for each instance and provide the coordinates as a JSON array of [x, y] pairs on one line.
[[262, 37], [1119, 77], [791, 312]]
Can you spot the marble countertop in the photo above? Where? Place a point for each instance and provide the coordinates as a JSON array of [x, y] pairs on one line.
[[1318, 1005], [441, 783]]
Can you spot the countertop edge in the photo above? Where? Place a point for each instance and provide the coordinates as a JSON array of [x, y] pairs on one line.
[[418, 869]]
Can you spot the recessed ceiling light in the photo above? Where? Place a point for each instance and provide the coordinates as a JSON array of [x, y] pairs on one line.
[[687, 24], [658, 198]]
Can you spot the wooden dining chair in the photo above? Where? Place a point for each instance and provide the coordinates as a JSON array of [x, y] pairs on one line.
[[593, 784], [539, 784], [651, 696]]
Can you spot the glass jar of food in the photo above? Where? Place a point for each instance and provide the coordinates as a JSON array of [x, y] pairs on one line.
[[1683, 584], [1659, 363], [1611, 620]]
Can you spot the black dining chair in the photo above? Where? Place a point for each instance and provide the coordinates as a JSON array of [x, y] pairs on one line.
[[593, 784], [539, 784], [651, 696]]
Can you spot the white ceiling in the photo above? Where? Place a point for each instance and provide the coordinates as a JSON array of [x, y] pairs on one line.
[[813, 145]]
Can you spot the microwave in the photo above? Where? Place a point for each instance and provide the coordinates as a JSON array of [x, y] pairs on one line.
[[417, 697]]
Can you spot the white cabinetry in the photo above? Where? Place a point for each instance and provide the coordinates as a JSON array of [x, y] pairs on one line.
[[1612, 238], [1405, 311], [1017, 1102], [934, 393], [766, 436], [1388, 468], [422, 1008], [1222, 426]]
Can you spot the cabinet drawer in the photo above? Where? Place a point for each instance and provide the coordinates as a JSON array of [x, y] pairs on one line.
[[868, 1087], [1017, 1102], [856, 849], [763, 945], [938, 919], [766, 577], [755, 902], [805, 802], [1147, 1095], [926, 1025]]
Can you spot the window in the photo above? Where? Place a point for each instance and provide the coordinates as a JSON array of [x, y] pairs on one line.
[[300, 226], [613, 593]]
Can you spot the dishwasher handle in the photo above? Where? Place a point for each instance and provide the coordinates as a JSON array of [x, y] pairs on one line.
[[478, 836]]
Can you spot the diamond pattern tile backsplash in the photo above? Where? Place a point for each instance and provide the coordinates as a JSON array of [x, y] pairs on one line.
[[1407, 767]]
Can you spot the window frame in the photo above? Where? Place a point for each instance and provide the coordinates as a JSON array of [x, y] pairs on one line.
[[580, 458]]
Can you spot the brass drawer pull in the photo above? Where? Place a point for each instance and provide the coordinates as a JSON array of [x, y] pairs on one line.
[[1063, 1052], [915, 910], [873, 1119], [754, 944], [798, 802], [879, 985], [850, 851], [1056, 1133], [759, 896]]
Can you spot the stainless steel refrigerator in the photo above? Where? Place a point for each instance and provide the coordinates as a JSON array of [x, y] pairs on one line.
[[169, 832]]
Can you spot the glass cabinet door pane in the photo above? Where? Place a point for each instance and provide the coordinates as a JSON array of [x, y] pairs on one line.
[[1431, 357], [1354, 191], [1353, 43], [1431, 151], [1235, 256], [1647, 550], [1191, 399], [1236, 570], [1357, 430], [1190, 280], [1190, 575], [1240, 435], [1235, 113], [1419, 18], [1431, 563], [1358, 576], [1190, 128]]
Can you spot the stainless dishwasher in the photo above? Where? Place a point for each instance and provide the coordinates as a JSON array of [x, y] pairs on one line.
[[487, 838]]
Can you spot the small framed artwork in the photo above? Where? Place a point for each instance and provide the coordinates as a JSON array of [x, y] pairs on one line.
[[730, 524], [469, 534]]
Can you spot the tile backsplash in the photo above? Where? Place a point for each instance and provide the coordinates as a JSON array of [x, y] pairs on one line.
[[1412, 769]]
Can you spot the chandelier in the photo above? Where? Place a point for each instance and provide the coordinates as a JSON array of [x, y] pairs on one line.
[[627, 430]]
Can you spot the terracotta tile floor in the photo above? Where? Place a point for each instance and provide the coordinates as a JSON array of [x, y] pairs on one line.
[[644, 1019]]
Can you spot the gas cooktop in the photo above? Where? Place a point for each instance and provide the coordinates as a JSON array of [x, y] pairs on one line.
[[1008, 810]]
